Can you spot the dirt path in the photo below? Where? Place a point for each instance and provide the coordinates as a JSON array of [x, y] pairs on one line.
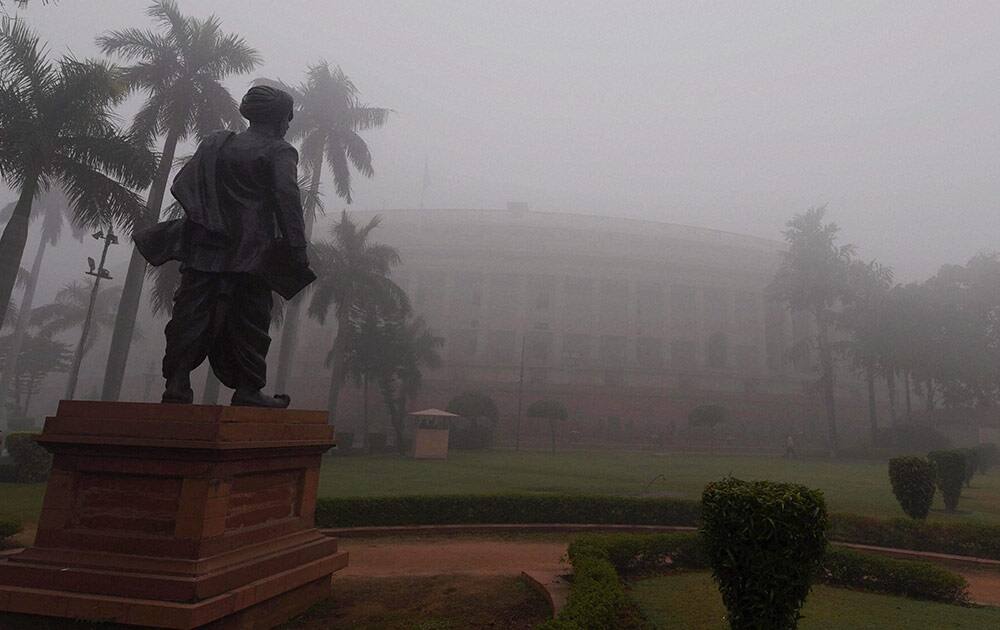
[[392, 557]]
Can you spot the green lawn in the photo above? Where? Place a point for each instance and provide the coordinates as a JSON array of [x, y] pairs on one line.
[[858, 487], [691, 601]]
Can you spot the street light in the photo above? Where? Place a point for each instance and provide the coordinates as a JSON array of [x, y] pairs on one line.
[[99, 273]]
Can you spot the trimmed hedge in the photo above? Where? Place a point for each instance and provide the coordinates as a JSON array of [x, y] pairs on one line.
[[764, 541], [31, 462], [949, 474], [878, 574], [9, 527], [967, 539], [503, 509], [598, 600], [964, 539], [912, 480]]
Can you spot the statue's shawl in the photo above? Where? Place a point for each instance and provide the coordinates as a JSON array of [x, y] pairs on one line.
[[196, 190]]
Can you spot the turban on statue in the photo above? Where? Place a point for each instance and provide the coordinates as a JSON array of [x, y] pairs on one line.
[[266, 104]]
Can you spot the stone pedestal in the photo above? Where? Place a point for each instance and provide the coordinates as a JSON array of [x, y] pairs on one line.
[[177, 516]]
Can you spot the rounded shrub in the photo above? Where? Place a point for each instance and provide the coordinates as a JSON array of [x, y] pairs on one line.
[[986, 457], [971, 464], [949, 475], [31, 462], [912, 481], [765, 542]]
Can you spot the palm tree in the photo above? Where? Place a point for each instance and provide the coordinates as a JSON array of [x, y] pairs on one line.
[[53, 208], [866, 317], [392, 350], [69, 311], [353, 276], [180, 70], [813, 278], [58, 129], [328, 116]]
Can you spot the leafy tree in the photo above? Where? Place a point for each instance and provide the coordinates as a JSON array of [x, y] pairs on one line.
[[481, 412], [813, 278], [551, 410], [392, 350], [54, 209], [353, 277], [58, 129], [180, 70], [866, 316], [69, 311], [40, 356], [709, 416], [329, 115]]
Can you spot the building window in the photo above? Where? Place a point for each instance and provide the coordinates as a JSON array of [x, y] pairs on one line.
[[540, 290], [462, 346], [649, 352], [502, 347], [576, 350], [682, 355], [649, 306], [579, 296], [613, 351], [537, 347], [716, 351], [613, 296]]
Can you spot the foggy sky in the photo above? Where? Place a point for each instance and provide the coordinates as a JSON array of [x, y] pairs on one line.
[[729, 116]]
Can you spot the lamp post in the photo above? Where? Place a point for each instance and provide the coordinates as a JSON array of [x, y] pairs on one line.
[[99, 273]]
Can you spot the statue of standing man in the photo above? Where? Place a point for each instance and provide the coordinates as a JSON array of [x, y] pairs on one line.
[[242, 237]]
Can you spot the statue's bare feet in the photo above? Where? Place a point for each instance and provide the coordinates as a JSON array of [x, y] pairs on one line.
[[254, 398]]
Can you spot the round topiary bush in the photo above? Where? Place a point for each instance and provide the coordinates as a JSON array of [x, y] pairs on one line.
[[31, 462], [986, 457], [971, 456], [764, 541], [949, 475], [912, 481]]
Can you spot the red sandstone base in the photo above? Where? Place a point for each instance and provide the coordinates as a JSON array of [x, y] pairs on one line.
[[177, 516]]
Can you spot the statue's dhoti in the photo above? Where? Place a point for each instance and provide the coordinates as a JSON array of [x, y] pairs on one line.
[[225, 317]]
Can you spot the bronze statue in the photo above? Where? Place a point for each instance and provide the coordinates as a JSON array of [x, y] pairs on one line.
[[241, 238]]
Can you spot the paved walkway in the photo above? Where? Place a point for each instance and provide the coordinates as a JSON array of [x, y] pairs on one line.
[[391, 557]]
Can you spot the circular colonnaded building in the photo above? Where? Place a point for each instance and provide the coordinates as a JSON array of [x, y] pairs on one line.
[[630, 323]]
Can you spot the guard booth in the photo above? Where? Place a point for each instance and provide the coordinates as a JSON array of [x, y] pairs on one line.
[[430, 439]]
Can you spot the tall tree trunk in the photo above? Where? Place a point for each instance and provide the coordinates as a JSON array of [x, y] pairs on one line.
[[212, 385], [337, 365], [128, 306], [890, 384], [364, 411], [909, 401], [826, 364], [81, 348], [872, 408], [15, 235], [290, 325], [929, 397], [21, 327]]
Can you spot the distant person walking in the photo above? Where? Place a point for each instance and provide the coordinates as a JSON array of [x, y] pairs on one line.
[[789, 447]]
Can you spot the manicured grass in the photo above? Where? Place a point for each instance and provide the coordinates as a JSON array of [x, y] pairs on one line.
[[691, 601], [23, 500], [857, 487]]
